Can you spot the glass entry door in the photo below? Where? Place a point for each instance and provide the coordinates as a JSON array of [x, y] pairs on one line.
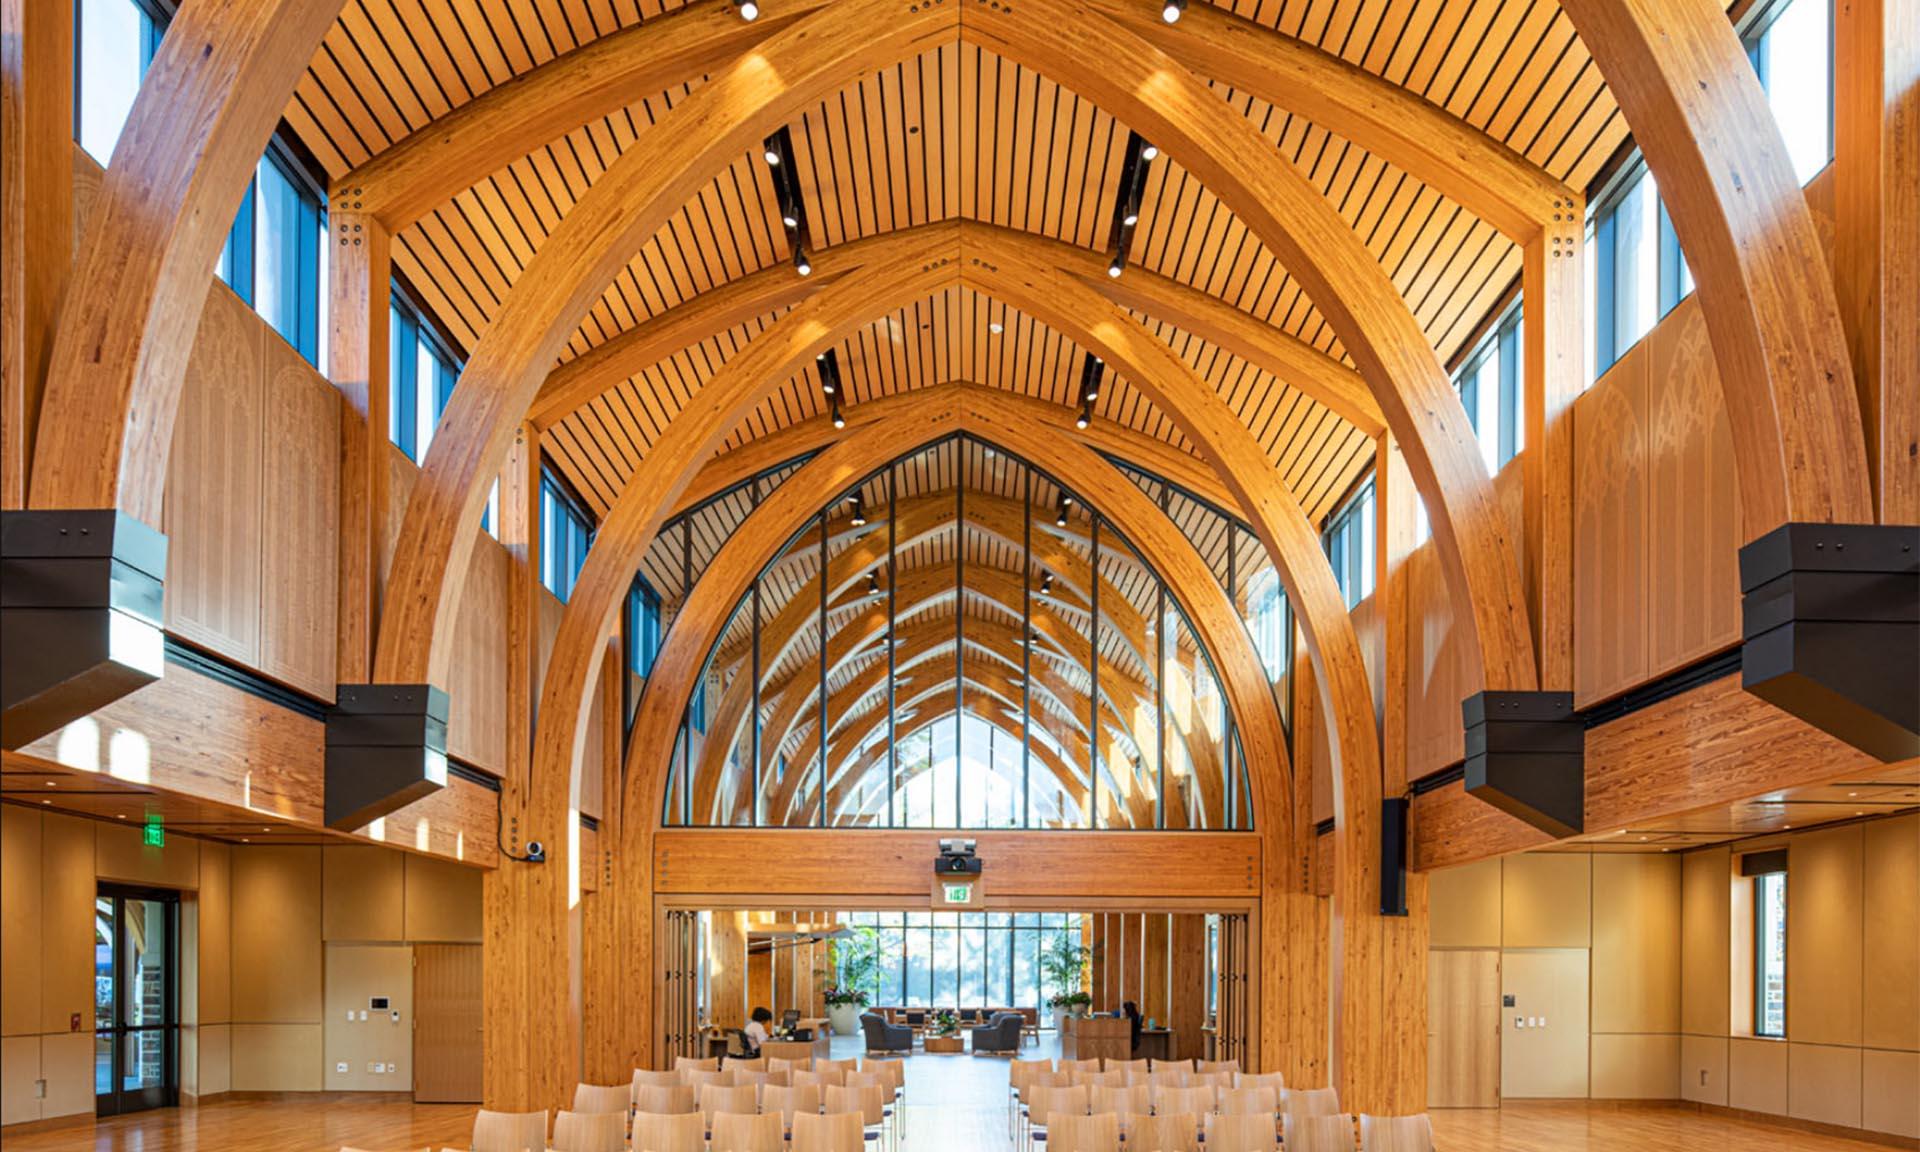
[[136, 999]]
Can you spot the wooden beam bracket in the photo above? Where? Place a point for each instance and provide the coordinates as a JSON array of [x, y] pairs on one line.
[[1830, 624], [81, 595], [1526, 755], [386, 748]]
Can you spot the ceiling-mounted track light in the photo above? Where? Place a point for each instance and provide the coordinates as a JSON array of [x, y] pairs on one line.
[[839, 417], [1127, 198], [859, 520], [803, 265], [1046, 583], [1092, 371], [1060, 513], [873, 583], [828, 365], [1085, 418], [750, 11], [1150, 152], [1115, 266], [1169, 11]]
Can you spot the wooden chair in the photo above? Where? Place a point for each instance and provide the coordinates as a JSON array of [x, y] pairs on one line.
[[510, 1131], [840, 1132], [1173, 1132], [741, 1099], [1069, 1133], [1078, 1066], [736, 1132], [1170, 1076], [590, 1131], [1396, 1133], [1194, 1101], [883, 1085], [682, 1063], [892, 1072], [1259, 1100], [1216, 1066], [1050, 1102], [1310, 1101], [1218, 1081], [1120, 1101], [681, 1132], [744, 1064], [698, 1078], [782, 1064], [1113, 1079], [868, 1100], [756, 1079], [603, 1098], [1273, 1080], [1322, 1133], [1243, 1133], [666, 1099], [829, 1078], [843, 1066], [787, 1101], [643, 1077], [1131, 1069]]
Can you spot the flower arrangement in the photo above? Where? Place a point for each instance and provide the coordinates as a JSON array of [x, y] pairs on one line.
[[945, 1023], [837, 997], [1070, 1001]]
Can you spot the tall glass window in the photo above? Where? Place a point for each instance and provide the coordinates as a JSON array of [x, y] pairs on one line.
[[1349, 541], [1770, 954], [115, 43], [643, 627], [961, 959], [566, 531], [422, 369], [1489, 385]]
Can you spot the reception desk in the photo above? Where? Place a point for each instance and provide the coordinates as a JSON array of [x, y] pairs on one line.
[[818, 1048], [1095, 1038]]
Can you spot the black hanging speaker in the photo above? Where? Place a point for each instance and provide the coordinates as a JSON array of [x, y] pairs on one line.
[[1393, 856]]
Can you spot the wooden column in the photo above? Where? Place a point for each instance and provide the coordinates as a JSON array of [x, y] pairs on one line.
[[360, 288], [727, 967], [36, 216], [1153, 998], [1132, 976], [1188, 975], [1294, 1013], [1876, 251], [529, 1038], [1552, 285], [1098, 968], [601, 965]]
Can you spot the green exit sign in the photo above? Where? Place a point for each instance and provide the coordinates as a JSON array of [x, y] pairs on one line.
[[959, 893], [154, 834]]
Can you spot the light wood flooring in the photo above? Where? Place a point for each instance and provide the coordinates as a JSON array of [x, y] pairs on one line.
[[955, 1104]]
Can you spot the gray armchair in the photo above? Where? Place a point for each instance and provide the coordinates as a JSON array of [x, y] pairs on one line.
[[884, 1037], [1001, 1034]]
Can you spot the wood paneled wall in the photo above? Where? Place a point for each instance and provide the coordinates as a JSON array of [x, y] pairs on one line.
[[1852, 1052]]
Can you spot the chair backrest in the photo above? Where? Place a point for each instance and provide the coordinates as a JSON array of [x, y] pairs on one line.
[[1113, 1079], [1396, 1133], [603, 1098], [1165, 1132], [750, 1076], [1130, 1068], [1274, 1080], [1020, 1073], [782, 1064], [836, 1132], [645, 1076], [892, 1073], [711, 1064], [849, 1065], [1120, 1100], [741, 1098], [1218, 1081], [736, 1132], [787, 1101], [741, 1064], [1083, 1133], [701, 1077], [666, 1099], [1079, 1065], [1170, 1075], [1243, 1133], [1310, 1101], [1068, 1101], [510, 1131], [863, 1079], [1216, 1066], [1248, 1101], [869, 1100], [661, 1132], [1198, 1101], [830, 1077], [1323, 1133], [590, 1131]]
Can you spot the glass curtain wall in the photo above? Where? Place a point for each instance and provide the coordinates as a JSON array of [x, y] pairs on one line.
[[958, 641], [963, 959]]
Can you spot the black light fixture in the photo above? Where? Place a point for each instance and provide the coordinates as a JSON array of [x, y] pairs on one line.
[[1092, 371], [839, 417], [859, 520], [873, 583], [1127, 199], [1046, 583], [778, 150], [750, 11], [1060, 514], [801, 264], [1169, 11], [1085, 417], [828, 365]]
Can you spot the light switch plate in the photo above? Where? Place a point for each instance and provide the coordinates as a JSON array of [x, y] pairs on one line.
[[340, 1067]]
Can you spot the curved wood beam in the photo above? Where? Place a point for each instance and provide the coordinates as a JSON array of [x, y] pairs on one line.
[[633, 351], [1027, 429], [624, 208], [1697, 110], [1422, 139], [429, 167], [202, 118]]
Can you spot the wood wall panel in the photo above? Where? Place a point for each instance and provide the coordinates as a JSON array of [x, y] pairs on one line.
[[1633, 1067], [1757, 1075], [215, 911], [1463, 1027], [20, 924], [300, 523], [443, 901], [363, 893], [1823, 1083], [1436, 672], [1464, 906], [1155, 999], [1187, 1006], [727, 971], [1825, 909], [277, 958], [1693, 537], [1546, 901], [1139, 865], [1891, 946], [212, 513], [1451, 827], [1706, 926], [1636, 953], [477, 694], [1888, 1101], [1611, 494]]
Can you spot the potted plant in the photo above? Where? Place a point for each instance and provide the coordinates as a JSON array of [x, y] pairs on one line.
[[857, 956], [1063, 964], [945, 1023]]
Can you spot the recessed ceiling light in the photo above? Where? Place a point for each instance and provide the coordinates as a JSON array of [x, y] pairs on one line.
[[996, 327], [244, 840], [119, 815], [46, 801], [1853, 794], [49, 783]]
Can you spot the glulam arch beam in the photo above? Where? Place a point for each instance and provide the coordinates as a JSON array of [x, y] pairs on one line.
[[203, 115], [1701, 119]]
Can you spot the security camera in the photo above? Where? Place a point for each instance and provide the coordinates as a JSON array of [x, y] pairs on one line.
[[536, 852]]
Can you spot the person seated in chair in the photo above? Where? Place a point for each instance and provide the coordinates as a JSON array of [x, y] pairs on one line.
[[756, 1030], [1132, 1012]]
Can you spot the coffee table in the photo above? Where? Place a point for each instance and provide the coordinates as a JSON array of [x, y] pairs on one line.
[[947, 1045]]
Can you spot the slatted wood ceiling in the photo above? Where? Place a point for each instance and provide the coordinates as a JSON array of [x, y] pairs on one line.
[[959, 132]]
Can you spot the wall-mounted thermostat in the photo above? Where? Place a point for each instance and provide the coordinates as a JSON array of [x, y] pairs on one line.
[[378, 1003]]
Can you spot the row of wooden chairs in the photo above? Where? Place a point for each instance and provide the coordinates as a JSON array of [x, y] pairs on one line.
[[1245, 1133], [761, 1072], [845, 1119]]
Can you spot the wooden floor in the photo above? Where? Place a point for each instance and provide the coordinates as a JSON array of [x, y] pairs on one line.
[[955, 1104]]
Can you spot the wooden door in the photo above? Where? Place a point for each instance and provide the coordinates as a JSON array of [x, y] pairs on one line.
[[1543, 1037], [447, 1023], [1463, 1021]]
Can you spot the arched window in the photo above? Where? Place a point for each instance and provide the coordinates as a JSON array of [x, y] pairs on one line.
[[958, 641]]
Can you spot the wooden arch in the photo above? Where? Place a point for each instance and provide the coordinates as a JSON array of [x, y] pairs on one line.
[[932, 414]]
